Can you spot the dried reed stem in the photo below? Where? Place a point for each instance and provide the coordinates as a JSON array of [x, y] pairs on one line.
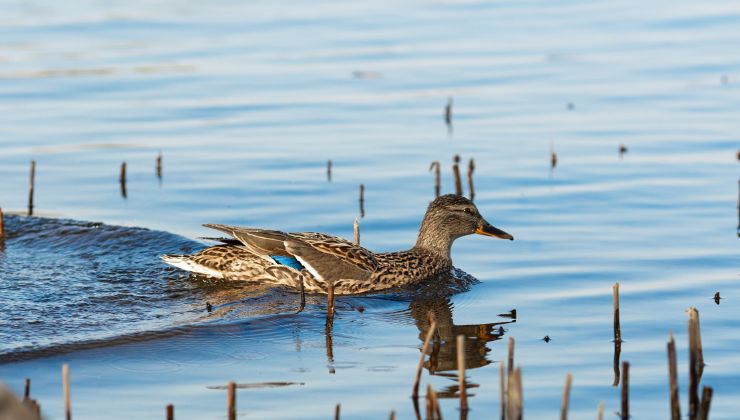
[[27, 390], [336, 411], [566, 397], [427, 339], [159, 165], [392, 416], [31, 185], [122, 179], [231, 400], [696, 362], [362, 200], [706, 400], [600, 411], [461, 372], [170, 412], [432, 404], [625, 390], [502, 385], [302, 288], [2, 225], [456, 174], [448, 111], [514, 395], [471, 169], [356, 227], [65, 385], [617, 332], [328, 170], [510, 366], [673, 379], [435, 165], [330, 304]]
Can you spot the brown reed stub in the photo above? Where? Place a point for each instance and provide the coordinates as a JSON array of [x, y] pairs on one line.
[[159, 165], [502, 389], [448, 111], [27, 389], [329, 305], [706, 401], [514, 395], [362, 200], [67, 399], [427, 340], [356, 228], [31, 185], [170, 412], [122, 179], [2, 225], [471, 169], [553, 159], [461, 372], [392, 416], [209, 307], [456, 174], [566, 397], [435, 165], [231, 400], [510, 366], [434, 412], [617, 332], [303, 295], [625, 390], [696, 362], [328, 170], [673, 379], [600, 411], [716, 298], [337, 409]]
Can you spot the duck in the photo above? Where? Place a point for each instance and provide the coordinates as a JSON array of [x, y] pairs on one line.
[[314, 262]]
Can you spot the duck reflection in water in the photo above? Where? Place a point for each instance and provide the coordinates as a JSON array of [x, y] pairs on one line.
[[442, 351]]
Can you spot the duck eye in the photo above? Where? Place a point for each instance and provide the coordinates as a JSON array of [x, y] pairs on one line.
[[468, 210]]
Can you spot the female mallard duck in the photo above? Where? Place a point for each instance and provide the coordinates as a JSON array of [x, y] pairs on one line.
[[279, 258]]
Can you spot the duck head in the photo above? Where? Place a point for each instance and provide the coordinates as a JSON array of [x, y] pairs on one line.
[[449, 217]]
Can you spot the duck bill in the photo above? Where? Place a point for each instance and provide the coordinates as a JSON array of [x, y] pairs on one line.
[[487, 229]]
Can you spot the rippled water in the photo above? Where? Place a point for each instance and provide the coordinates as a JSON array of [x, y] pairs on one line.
[[247, 102]]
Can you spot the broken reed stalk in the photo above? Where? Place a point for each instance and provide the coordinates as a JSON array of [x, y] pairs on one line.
[[303, 295], [673, 379], [170, 412], [31, 184], [461, 372], [437, 176], [159, 165], [122, 179], [27, 390], [2, 226], [514, 395], [433, 409], [362, 200], [471, 169], [328, 170], [510, 367], [696, 362], [706, 400], [553, 159], [625, 390], [502, 394], [566, 397], [356, 227], [392, 416], [448, 111], [427, 340], [456, 174], [600, 411], [617, 332], [65, 385], [329, 305], [231, 400], [336, 411]]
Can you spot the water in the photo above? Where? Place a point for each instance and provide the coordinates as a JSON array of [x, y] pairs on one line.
[[247, 102]]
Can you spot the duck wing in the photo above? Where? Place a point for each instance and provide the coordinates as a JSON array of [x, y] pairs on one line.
[[327, 255]]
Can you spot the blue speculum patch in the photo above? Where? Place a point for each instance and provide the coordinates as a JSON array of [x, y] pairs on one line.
[[289, 261]]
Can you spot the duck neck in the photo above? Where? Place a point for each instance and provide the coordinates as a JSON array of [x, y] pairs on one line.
[[434, 239]]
